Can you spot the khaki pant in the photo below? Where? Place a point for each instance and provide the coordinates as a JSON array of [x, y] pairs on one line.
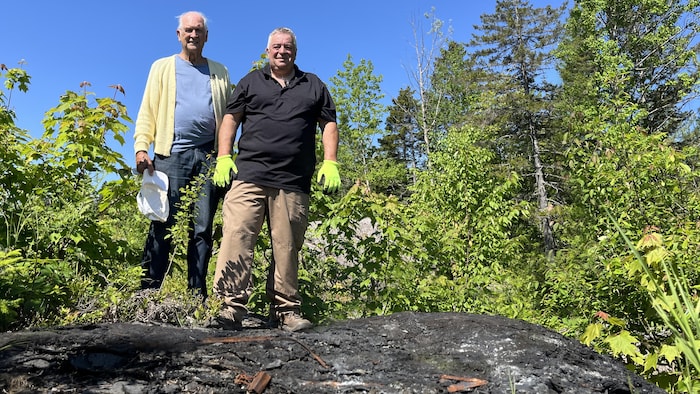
[[245, 207]]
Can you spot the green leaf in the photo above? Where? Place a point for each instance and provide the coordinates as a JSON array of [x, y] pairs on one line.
[[670, 352], [623, 343], [593, 332]]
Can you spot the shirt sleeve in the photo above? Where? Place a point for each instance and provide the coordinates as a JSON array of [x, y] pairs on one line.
[[328, 112]]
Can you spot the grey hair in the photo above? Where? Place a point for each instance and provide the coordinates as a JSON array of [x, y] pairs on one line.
[[282, 30], [182, 16]]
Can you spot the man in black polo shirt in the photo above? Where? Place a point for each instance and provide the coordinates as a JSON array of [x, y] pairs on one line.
[[279, 108]]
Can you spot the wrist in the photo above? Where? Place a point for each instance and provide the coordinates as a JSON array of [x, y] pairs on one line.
[[223, 157]]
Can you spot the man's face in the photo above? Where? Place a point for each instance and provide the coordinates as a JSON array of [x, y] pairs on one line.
[[281, 51], [192, 34]]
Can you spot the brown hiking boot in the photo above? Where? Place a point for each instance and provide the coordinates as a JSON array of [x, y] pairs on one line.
[[228, 319], [292, 322]]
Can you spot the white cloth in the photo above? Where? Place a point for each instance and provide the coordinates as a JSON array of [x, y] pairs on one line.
[[153, 196]]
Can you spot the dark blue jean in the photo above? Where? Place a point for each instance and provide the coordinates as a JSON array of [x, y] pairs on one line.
[[182, 168]]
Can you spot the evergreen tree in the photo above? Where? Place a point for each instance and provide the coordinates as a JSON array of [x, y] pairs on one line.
[[455, 85], [400, 147], [657, 40], [514, 52]]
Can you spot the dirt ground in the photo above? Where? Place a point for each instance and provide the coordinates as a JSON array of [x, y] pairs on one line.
[[400, 353]]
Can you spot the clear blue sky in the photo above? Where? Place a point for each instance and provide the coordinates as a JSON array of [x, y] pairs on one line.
[[114, 42]]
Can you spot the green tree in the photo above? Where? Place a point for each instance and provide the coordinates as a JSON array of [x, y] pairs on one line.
[[607, 128], [618, 156], [514, 52], [658, 40], [400, 147], [467, 217], [456, 84], [356, 91]]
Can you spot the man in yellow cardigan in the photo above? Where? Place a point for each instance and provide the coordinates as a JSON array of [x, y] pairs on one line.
[[183, 104]]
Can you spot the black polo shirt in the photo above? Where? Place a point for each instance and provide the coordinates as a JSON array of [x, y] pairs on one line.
[[277, 146]]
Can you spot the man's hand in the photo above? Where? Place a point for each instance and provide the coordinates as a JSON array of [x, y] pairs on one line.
[[222, 172], [330, 176], [144, 162]]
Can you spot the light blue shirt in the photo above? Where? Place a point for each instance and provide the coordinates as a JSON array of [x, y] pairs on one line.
[[195, 124]]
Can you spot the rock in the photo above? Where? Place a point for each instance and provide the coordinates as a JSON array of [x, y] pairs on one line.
[[400, 353]]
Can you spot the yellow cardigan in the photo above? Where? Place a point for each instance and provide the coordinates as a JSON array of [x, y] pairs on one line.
[[155, 122]]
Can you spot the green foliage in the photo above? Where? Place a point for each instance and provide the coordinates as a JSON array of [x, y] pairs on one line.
[[456, 89], [645, 51], [669, 353], [675, 301], [471, 216], [452, 249], [14, 78], [57, 213], [76, 136], [356, 93], [358, 250], [475, 205], [513, 53], [616, 159], [31, 290], [179, 233], [641, 179]]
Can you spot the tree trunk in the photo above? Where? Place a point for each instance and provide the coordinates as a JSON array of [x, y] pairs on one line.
[[542, 199]]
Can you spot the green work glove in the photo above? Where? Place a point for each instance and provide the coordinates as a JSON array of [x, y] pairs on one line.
[[329, 174], [222, 172]]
